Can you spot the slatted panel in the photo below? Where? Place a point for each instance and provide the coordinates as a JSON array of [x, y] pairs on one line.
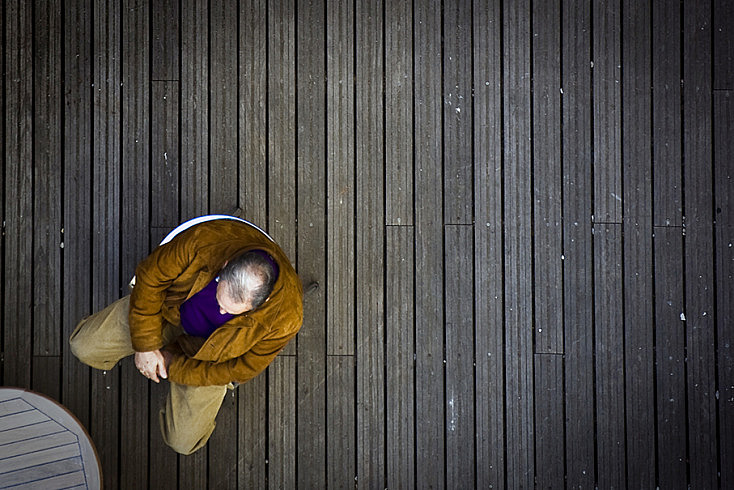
[[429, 382], [488, 261], [637, 247], [400, 351], [724, 239], [311, 151], [699, 246], [623, 113], [18, 218]]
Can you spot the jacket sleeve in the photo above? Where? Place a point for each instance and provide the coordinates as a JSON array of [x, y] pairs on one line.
[[189, 371], [152, 277]]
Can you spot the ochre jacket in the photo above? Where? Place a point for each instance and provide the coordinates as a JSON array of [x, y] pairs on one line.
[[245, 345]]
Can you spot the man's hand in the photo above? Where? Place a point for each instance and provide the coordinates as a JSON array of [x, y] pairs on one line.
[[153, 364]]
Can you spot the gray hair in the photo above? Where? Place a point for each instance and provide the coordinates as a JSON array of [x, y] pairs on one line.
[[249, 276]]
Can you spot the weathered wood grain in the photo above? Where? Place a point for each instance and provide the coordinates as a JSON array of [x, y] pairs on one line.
[[165, 46], [195, 112], [253, 111], [723, 44], [577, 241], [164, 156], [399, 113], [340, 171], [341, 433], [488, 259], [547, 178], [459, 403], [282, 451], [47, 178], [18, 192], [666, 116], [429, 381], [606, 64], [699, 246], [549, 422], [670, 342], [457, 112], [311, 246], [400, 354], [609, 356]]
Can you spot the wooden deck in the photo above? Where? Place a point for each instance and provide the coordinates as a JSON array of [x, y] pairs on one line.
[[521, 215]]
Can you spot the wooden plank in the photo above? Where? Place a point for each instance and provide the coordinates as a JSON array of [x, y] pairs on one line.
[[549, 420], [223, 150], [164, 157], [311, 205], [223, 197], [666, 116], [18, 184], [77, 172], [106, 176], [724, 158], [517, 192], [282, 129], [253, 433], [638, 246], [459, 294], [670, 357], [194, 108], [607, 106], [723, 20], [222, 445], [341, 441], [165, 42], [609, 356], [429, 369], [725, 343], [282, 452], [400, 350], [577, 242], [698, 246], [548, 271], [488, 265], [340, 240], [135, 456], [164, 467], [253, 132], [457, 112], [47, 224], [47, 376], [2, 201], [399, 113], [192, 470], [253, 199], [724, 260], [370, 326]]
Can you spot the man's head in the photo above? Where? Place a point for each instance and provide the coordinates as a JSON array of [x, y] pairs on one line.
[[245, 283]]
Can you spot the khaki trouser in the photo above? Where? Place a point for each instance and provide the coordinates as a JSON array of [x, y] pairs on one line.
[[187, 420]]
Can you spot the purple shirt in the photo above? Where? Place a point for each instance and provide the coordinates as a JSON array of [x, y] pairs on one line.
[[200, 313]]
